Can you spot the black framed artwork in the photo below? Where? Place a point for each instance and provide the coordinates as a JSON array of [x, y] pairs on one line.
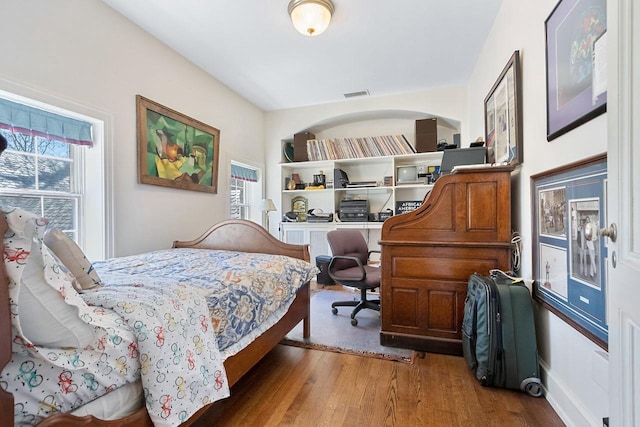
[[575, 56], [503, 116]]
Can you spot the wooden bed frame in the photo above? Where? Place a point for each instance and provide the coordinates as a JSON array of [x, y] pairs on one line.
[[236, 235]]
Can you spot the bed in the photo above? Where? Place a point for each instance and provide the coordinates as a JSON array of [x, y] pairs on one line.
[[233, 236]]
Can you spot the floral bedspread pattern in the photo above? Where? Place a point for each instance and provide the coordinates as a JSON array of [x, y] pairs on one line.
[[242, 289], [153, 329], [180, 365]]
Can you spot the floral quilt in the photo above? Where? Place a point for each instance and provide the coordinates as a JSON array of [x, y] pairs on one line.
[[246, 292], [180, 366], [166, 341]]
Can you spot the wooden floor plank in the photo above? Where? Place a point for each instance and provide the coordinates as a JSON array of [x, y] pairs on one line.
[[299, 387]]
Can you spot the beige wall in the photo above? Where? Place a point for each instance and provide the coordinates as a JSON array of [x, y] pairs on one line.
[[85, 53], [575, 369]]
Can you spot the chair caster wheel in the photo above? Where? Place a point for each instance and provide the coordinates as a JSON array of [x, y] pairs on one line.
[[334, 310], [354, 322]]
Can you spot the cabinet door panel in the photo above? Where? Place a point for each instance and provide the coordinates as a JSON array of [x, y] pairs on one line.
[[318, 244], [425, 307], [405, 310], [296, 237], [442, 311], [482, 205]]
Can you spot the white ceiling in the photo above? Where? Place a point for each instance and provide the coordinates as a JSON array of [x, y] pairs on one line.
[[381, 46]]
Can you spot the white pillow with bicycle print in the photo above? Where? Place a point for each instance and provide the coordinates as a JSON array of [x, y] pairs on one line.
[[45, 306]]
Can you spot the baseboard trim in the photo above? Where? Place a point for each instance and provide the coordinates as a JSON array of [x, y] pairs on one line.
[[568, 407]]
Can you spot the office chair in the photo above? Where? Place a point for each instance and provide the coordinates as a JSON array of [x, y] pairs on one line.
[[349, 266]]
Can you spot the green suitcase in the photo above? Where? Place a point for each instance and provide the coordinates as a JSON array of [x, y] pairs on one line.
[[498, 333]]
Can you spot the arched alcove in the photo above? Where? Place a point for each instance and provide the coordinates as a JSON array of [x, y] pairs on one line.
[[373, 123], [351, 118]]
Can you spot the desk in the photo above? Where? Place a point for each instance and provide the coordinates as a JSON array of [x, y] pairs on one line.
[[462, 227]]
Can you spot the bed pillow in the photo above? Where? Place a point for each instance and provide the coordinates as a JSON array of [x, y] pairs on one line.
[[72, 257], [48, 308]]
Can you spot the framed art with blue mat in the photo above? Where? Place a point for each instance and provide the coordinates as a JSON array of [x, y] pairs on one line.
[[569, 252]]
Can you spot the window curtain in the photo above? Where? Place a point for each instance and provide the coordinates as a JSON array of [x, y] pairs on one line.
[[243, 173], [20, 118]]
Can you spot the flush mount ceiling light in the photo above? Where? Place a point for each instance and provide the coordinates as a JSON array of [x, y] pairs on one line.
[[310, 17]]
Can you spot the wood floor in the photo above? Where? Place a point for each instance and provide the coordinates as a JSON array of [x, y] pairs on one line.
[[299, 387]]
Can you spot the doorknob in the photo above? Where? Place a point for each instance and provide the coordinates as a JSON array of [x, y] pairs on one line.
[[591, 231]]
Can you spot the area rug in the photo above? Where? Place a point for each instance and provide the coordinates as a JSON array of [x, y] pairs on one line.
[[331, 332]]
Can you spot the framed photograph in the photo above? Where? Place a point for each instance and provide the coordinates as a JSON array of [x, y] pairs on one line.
[[569, 256], [576, 64], [175, 150], [503, 116]]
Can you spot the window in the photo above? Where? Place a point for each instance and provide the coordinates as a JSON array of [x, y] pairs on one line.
[[239, 205], [242, 183], [43, 168], [42, 180]]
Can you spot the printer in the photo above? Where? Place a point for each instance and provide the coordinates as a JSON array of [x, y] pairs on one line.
[[354, 210]]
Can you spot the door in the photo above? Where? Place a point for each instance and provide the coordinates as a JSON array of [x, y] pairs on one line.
[[624, 210]]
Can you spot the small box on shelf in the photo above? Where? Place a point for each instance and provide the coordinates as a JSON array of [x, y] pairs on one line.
[[426, 135], [300, 146]]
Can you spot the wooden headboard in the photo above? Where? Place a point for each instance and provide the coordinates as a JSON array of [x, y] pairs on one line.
[[224, 235]]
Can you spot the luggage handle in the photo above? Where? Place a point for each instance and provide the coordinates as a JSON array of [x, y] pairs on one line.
[[497, 273]]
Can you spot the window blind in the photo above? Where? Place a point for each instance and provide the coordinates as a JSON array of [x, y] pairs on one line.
[[20, 118], [243, 173]]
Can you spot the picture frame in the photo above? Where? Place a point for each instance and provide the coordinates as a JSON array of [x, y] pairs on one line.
[[175, 150], [569, 255], [503, 116], [299, 206], [571, 31]]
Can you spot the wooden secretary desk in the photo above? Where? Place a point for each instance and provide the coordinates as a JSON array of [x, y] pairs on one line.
[[463, 226]]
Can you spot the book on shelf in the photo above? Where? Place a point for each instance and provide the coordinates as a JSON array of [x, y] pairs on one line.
[[354, 148]]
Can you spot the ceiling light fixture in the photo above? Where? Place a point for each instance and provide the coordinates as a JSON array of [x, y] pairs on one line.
[[311, 17]]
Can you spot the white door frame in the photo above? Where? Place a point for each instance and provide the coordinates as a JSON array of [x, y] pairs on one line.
[[623, 105]]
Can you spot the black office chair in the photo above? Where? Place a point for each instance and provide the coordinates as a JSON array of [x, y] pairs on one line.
[[349, 266]]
